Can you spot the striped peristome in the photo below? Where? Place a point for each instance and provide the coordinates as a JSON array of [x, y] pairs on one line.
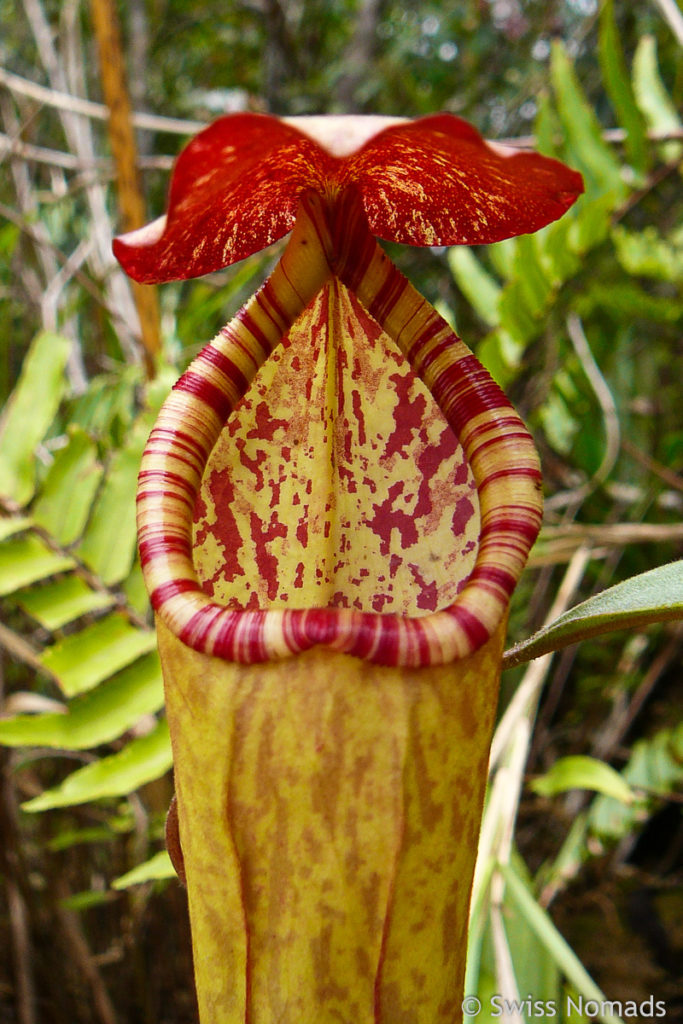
[[331, 241]]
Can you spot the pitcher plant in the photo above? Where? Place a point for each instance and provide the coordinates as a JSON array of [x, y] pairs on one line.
[[334, 507]]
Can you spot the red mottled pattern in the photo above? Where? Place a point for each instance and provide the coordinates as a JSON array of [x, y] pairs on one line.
[[328, 244], [433, 181], [368, 503]]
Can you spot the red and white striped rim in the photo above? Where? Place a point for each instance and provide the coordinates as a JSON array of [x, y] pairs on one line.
[[336, 242]]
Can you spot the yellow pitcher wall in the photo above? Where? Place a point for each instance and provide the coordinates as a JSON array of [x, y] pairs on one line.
[[329, 813]]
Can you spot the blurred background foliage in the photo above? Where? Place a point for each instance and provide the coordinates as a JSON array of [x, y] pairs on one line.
[[581, 858]]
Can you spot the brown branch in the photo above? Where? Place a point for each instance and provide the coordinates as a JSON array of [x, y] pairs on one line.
[[102, 167], [656, 468], [124, 149], [615, 136], [78, 275], [21, 650], [88, 108]]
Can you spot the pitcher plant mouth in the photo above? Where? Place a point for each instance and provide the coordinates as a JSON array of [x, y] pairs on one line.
[[331, 247]]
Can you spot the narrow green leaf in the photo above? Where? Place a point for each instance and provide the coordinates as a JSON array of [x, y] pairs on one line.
[[11, 525], [554, 943], [80, 901], [68, 838], [620, 90], [97, 717], [25, 559], [516, 319], [135, 590], [108, 546], [656, 105], [69, 489], [559, 260], [555, 876], [82, 660], [502, 256], [29, 412], [654, 596], [534, 285], [141, 761], [559, 426], [580, 772], [534, 971], [157, 868], [109, 543], [477, 285], [590, 227], [62, 601], [586, 147], [547, 128], [475, 935]]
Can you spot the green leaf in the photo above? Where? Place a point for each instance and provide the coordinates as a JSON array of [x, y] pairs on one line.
[[580, 772], [25, 559], [80, 901], [135, 590], [62, 601], [515, 316], [656, 768], [558, 424], [560, 261], [654, 596], [620, 90], [553, 942], [534, 971], [29, 413], [475, 935], [141, 761], [82, 660], [651, 96], [503, 255], [97, 717], [476, 284], [586, 147], [70, 837], [107, 408], [647, 254], [155, 869], [10, 525], [554, 876], [109, 543], [69, 489], [628, 301], [535, 286], [590, 227], [547, 128]]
